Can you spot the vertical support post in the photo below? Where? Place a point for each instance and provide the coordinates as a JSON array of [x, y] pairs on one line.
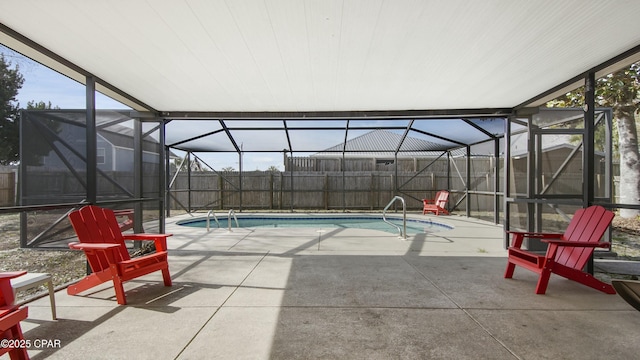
[[164, 170], [468, 181], [588, 147], [342, 167], [588, 141], [92, 141], [344, 184], [396, 190], [189, 181], [496, 181], [240, 178], [92, 144], [291, 185], [538, 184], [22, 176], [137, 176], [507, 179], [531, 173], [448, 172], [608, 171]]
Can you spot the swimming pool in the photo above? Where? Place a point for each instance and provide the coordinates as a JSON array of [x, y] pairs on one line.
[[323, 221]]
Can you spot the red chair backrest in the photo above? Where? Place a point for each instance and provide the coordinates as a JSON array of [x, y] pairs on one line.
[[94, 224], [587, 226], [441, 198]]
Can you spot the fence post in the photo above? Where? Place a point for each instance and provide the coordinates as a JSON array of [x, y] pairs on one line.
[[271, 190], [220, 191], [281, 191], [371, 204], [326, 191]]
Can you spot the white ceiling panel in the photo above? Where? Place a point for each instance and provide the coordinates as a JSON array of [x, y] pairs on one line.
[[329, 55]]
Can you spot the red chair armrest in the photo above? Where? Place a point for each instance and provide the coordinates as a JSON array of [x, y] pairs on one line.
[[159, 239], [577, 244], [110, 251], [145, 236], [11, 274], [94, 246], [518, 237], [537, 235]]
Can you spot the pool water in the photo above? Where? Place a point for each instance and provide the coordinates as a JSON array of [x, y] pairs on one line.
[[326, 222]]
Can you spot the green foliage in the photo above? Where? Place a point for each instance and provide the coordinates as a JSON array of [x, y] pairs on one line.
[[34, 141], [40, 105], [10, 83], [228, 169], [619, 90]]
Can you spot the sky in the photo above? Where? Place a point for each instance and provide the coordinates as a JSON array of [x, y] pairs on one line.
[[44, 84]]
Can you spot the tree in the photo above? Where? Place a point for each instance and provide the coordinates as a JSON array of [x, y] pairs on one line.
[[34, 145], [10, 83], [40, 105], [620, 91]]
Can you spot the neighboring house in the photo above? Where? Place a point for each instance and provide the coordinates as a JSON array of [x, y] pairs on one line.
[[63, 132], [53, 156], [376, 150], [556, 149]]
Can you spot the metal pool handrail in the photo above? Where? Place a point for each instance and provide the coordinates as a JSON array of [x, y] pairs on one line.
[[403, 231], [232, 212], [214, 218]]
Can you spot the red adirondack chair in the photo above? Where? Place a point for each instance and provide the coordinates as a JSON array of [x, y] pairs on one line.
[[437, 204], [568, 253], [10, 317], [103, 243]]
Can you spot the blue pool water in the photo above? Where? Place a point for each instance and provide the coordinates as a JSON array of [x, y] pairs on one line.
[[327, 222]]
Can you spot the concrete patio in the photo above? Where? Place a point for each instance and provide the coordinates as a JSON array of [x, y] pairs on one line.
[[338, 294]]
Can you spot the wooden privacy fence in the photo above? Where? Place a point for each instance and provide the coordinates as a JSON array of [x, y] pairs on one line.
[[7, 189], [316, 190], [52, 187], [312, 190]]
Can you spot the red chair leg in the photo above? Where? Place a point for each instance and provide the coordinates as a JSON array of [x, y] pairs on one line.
[[88, 282], [119, 288], [166, 277], [508, 272], [18, 353], [543, 281]]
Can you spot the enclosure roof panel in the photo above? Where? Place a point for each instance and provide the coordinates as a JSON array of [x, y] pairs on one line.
[[382, 141], [331, 55]]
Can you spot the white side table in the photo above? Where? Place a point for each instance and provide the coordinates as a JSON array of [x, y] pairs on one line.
[[31, 280]]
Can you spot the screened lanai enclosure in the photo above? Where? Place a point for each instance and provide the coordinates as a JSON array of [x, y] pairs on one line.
[[328, 164]]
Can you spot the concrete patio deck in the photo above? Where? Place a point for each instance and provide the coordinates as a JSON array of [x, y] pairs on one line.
[[338, 294]]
